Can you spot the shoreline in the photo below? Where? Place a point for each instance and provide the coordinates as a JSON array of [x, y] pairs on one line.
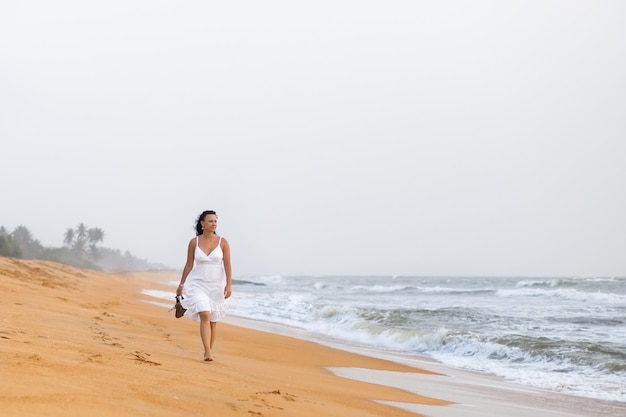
[[78, 342], [417, 360], [471, 393]]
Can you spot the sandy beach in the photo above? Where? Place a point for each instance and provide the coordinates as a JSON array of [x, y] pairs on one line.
[[76, 342]]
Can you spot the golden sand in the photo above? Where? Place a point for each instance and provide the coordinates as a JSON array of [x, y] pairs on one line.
[[82, 343]]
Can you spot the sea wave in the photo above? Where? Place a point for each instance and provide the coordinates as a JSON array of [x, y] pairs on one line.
[[563, 293], [418, 289], [264, 279], [544, 283], [532, 362], [381, 288], [450, 290]]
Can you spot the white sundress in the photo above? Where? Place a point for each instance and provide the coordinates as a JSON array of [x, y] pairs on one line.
[[204, 286]]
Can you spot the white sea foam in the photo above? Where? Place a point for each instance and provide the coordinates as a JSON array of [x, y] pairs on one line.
[[563, 293], [384, 288]]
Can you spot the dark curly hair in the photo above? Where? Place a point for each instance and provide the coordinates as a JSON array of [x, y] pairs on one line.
[[201, 218]]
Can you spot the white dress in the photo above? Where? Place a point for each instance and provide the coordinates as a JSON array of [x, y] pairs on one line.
[[204, 286]]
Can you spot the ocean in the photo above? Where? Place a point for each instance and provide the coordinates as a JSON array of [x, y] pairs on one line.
[[565, 335]]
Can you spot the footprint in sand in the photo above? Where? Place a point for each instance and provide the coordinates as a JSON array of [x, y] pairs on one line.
[[268, 403], [141, 358], [95, 358], [285, 396]]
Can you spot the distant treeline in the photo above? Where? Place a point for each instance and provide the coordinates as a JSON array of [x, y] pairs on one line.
[[80, 249]]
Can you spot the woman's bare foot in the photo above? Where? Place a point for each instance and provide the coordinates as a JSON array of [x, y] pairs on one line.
[[208, 357]]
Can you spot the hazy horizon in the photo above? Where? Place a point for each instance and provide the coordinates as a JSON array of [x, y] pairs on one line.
[[452, 138]]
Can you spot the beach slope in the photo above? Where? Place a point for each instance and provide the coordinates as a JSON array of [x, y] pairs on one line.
[[76, 342]]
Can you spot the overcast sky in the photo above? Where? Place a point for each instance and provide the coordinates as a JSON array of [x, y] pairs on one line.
[[332, 137]]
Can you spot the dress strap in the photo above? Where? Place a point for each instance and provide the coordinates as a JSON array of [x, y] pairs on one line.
[[196, 241]]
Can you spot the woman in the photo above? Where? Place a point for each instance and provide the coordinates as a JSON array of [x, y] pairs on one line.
[[206, 279]]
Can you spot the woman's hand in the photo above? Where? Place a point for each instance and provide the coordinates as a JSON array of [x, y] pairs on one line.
[[227, 291], [179, 290]]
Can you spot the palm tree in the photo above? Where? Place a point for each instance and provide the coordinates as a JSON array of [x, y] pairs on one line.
[[94, 235], [81, 231], [69, 237], [81, 238]]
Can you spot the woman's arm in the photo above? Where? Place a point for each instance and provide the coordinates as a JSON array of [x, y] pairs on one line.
[[227, 268], [191, 248]]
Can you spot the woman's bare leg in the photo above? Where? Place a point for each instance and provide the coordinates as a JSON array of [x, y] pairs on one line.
[[206, 334], [213, 334]]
